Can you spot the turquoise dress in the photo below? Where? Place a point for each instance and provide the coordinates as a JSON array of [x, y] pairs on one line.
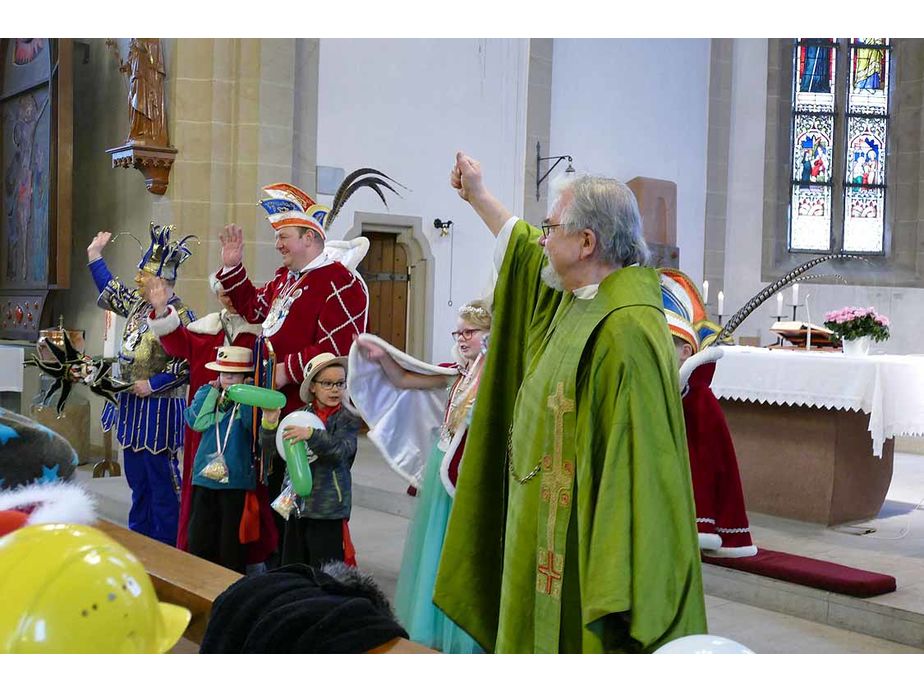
[[414, 606]]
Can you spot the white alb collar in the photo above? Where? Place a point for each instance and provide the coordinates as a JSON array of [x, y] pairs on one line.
[[585, 293]]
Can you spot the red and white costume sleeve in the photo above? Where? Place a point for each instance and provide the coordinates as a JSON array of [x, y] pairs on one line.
[[322, 308], [721, 519]]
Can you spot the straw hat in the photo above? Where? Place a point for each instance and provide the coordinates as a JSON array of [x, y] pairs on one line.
[[315, 366], [232, 359]]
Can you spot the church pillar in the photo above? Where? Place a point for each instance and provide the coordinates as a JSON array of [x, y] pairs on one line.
[[245, 116]]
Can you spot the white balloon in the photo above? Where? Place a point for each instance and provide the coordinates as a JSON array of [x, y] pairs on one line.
[[703, 644], [296, 418]]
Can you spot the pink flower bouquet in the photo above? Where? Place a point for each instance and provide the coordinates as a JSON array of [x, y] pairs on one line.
[[853, 323]]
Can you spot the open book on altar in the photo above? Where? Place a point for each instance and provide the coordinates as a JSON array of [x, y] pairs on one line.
[[796, 332]]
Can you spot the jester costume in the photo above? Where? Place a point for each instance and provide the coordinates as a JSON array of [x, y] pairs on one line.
[[149, 429], [572, 529]]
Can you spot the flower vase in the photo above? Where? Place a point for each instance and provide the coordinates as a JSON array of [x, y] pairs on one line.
[[857, 347]]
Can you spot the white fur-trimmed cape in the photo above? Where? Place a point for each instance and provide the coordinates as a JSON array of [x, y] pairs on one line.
[[51, 503], [403, 424]]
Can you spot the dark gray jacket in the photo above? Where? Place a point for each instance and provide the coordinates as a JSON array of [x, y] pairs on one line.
[[331, 495]]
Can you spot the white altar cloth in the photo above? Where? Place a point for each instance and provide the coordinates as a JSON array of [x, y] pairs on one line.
[[889, 388]]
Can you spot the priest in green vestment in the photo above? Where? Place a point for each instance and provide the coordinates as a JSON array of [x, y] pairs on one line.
[[573, 527]]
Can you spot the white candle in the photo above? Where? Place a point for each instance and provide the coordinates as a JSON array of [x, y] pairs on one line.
[[706, 291], [721, 303], [779, 303], [795, 294], [808, 319]]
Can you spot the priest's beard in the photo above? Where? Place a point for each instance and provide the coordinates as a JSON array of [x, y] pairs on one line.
[[551, 278]]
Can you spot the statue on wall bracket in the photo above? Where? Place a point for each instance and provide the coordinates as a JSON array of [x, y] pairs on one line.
[[147, 147]]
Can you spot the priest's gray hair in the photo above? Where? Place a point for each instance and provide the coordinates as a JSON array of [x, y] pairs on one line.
[[609, 209]]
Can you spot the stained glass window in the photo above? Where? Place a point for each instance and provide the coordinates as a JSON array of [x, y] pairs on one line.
[[867, 124], [823, 137], [813, 140]]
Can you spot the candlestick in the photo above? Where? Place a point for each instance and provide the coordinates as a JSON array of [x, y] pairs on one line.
[[779, 317]]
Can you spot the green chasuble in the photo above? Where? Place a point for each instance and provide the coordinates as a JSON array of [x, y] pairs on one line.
[[573, 527]]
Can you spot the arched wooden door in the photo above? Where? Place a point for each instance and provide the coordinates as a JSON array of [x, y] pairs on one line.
[[385, 270]]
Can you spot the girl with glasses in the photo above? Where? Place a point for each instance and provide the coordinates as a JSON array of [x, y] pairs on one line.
[[433, 480]]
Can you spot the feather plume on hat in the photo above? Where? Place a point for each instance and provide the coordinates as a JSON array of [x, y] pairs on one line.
[[755, 301], [686, 314], [286, 205]]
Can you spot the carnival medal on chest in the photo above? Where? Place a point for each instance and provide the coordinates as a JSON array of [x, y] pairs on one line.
[[134, 334], [282, 304]]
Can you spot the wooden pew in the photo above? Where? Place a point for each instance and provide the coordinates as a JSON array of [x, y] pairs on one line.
[[190, 581]]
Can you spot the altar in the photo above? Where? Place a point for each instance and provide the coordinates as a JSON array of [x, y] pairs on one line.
[[11, 376], [813, 430]]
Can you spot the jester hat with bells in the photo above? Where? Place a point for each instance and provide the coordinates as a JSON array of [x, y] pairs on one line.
[[163, 256], [287, 205]]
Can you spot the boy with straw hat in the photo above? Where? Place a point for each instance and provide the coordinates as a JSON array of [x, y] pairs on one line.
[[223, 470]]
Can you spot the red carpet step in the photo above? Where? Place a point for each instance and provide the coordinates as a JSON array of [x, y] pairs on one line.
[[800, 570]]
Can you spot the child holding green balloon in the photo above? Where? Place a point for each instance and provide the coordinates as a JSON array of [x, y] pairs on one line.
[[223, 470], [317, 531]]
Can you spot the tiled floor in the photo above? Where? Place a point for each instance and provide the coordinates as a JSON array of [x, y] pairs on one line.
[[896, 547]]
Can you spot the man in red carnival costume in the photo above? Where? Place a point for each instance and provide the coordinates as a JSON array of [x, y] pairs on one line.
[[721, 519], [313, 304]]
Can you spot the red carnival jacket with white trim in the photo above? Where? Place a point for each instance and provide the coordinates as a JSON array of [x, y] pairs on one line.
[[318, 310]]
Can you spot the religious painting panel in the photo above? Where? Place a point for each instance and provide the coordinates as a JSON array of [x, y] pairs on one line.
[[810, 218], [24, 164], [26, 63], [36, 164]]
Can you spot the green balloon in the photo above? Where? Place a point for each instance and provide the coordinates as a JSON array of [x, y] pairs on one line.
[[261, 397], [297, 464]]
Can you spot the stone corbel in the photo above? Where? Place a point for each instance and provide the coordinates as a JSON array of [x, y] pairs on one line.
[[153, 162]]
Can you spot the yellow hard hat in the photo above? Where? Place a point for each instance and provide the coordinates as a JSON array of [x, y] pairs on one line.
[[71, 589]]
